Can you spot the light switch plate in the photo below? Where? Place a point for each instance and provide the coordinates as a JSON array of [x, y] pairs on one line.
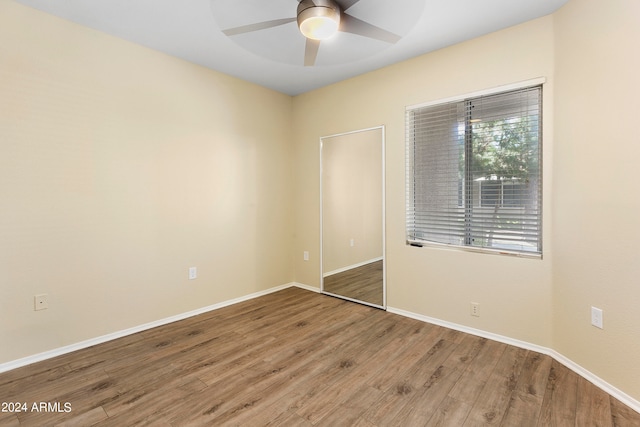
[[596, 318]]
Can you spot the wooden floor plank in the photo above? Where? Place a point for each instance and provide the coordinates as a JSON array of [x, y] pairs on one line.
[[359, 366], [297, 358], [592, 405], [450, 412], [475, 377], [434, 392], [622, 415], [425, 403], [88, 418], [284, 419], [9, 420], [526, 401], [399, 400], [423, 338], [349, 411], [560, 399], [493, 402]]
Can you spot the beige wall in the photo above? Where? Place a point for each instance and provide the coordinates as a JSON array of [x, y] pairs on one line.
[[351, 199], [514, 294], [596, 194], [121, 167]]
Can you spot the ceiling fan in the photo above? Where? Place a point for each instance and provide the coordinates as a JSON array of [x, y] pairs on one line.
[[318, 21]]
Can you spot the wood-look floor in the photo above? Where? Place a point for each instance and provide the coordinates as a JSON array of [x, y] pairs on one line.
[[297, 358], [364, 283]]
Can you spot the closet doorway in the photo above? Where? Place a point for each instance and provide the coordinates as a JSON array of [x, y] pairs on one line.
[[352, 217]]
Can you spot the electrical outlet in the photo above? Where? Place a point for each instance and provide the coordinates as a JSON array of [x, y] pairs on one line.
[[40, 302], [193, 273], [596, 318], [305, 255], [475, 309], [352, 242]]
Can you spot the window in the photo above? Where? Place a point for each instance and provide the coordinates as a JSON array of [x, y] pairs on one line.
[[474, 172]]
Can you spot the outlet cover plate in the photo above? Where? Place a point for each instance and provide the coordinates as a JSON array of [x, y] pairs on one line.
[[475, 309], [40, 302]]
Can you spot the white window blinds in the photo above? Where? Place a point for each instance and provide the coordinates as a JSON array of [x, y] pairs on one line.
[[474, 172]]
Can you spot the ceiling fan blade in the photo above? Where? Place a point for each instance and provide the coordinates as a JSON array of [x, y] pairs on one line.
[[350, 24], [311, 52], [257, 26], [346, 4]]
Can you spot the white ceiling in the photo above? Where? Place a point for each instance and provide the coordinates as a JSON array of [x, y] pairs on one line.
[[192, 30]]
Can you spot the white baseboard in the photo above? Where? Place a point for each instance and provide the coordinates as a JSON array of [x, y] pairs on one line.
[[306, 287], [597, 381], [589, 376], [115, 335]]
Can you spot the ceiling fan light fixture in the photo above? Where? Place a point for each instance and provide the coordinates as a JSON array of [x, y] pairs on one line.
[[319, 20]]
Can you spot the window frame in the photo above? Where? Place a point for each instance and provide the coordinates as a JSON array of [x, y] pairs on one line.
[[409, 177]]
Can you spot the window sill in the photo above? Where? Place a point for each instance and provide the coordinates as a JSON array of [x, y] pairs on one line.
[[421, 243]]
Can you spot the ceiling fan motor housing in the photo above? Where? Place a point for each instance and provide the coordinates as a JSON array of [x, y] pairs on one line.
[[315, 9]]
